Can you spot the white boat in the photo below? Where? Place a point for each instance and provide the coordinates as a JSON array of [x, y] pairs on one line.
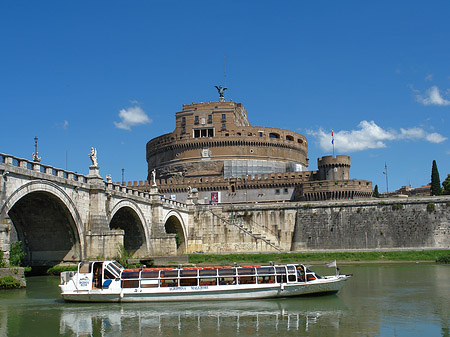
[[108, 281]]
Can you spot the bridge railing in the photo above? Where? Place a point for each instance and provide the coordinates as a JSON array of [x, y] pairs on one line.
[[74, 176], [173, 202], [38, 167]]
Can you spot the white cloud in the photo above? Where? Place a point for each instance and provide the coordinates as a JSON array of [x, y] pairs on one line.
[[429, 77], [65, 124], [432, 97], [369, 135], [132, 116]]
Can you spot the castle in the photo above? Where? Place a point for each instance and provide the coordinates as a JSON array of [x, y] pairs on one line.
[[216, 155]]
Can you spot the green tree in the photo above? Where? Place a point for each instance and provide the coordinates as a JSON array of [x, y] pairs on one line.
[[16, 254], [446, 185], [376, 194], [435, 181]]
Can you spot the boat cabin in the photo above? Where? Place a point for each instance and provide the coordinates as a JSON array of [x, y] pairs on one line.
[[100, 274]]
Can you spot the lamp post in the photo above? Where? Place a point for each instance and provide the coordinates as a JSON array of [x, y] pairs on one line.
[[35, 155], [386, 173]]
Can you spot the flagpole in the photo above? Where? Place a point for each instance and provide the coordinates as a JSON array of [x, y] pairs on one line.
[[332, 140]]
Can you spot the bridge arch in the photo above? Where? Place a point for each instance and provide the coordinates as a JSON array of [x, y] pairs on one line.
[[174, 224], [128, 216], [47, 221]]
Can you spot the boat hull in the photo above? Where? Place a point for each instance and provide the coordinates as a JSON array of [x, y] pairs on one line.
[[211, 293]]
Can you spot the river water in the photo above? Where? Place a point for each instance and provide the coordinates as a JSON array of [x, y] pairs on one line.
[[379, 300]]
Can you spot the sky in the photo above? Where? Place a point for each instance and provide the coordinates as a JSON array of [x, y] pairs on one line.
[[112, 75]]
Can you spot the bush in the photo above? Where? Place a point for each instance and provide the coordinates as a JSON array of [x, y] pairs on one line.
[[56, 270], [2, 261], [9, 282], [16, 254], [397, 207], [122, 257], [431, 207], [443, 259]]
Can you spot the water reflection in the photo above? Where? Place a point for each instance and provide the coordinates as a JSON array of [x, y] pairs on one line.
[[203, 318], [380, 300]]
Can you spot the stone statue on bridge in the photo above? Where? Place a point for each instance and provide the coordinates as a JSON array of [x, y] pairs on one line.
[[93, 156], [154, 178]]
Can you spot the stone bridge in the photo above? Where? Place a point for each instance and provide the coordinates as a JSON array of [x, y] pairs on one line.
[[60, 215], [65, 216]]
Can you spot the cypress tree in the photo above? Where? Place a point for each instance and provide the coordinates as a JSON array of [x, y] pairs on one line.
[[376, 194], [435, 181]]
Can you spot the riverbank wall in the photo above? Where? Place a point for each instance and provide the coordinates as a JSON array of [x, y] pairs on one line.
[[374, 224], [17, 273]]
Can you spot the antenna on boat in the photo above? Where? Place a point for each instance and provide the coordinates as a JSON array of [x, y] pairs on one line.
[[235, 265]]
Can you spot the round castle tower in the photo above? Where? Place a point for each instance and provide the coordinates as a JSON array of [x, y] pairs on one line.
[[334, 168]]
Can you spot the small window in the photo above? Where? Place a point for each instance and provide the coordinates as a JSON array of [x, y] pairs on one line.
[[224, 126], [286, 191], [183, 130], [224, 117], [196, 120], [210, 119], [183, 120], [290, 138], [277, 191], [260, 133]]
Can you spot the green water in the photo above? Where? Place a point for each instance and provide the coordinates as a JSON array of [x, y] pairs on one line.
[[380, 300]]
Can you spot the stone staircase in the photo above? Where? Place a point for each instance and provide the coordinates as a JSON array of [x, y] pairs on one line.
[[244, 227]]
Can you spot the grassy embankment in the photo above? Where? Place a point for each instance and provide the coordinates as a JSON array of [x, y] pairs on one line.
[[348, 257]]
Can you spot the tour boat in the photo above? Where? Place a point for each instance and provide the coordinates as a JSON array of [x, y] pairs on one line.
[[108, 281]]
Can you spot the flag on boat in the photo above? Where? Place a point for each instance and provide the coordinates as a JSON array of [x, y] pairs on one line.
[[332, 264]]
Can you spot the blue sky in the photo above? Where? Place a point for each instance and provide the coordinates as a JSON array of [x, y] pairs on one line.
[[112, 74]]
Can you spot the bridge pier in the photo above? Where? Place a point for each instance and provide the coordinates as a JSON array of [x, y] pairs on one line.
[[5, 229]]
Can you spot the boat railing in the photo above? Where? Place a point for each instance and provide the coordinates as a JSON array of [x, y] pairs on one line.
[[207, 276]]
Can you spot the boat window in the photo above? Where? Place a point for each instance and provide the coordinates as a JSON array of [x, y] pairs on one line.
[[247, 280], [292, 278], [113, 266], [208, 272], [227, 280], [169, 274], [149, 283], [281, 278], [108, 275], [188, 273], [265, 270], [150, 274], [188, 282], [266, 279], [112, 270], [118, 265], [209, 281], [169, 282], [85, 267], [246, 271], [291, 269], [227, 272], [281, 270], [130, 274], [130, 283]]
